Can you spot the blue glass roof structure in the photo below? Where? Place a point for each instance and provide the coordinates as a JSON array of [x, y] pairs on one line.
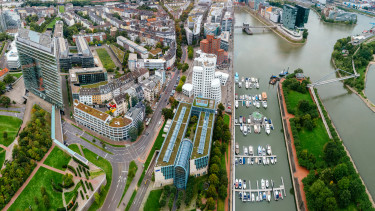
[[202, 139]]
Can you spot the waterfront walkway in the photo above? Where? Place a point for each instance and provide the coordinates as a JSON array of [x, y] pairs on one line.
[[298, 171]]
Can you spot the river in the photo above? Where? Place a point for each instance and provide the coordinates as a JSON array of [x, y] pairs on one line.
[[264, 54]]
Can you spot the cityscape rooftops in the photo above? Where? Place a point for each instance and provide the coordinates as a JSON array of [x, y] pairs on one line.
[[41, 41], [93, 112]]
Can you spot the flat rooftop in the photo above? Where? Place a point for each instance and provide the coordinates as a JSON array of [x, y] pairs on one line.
[[120, 122], [204, 103], [196, 153], [178, 132], [96, 113]]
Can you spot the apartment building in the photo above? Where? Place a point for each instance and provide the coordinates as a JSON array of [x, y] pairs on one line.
[[132, 46]]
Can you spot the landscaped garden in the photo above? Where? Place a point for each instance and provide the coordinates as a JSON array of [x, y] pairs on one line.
[[106, 59], [58, 159], [33, 196], [75, 148], [9, 127], [2, 157]]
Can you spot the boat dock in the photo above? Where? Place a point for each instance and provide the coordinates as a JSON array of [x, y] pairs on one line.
[[255, 156], [259, 191]]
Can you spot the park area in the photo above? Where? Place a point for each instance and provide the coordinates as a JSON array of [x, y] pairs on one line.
[[9, 126], [118, 52], [106, 59]]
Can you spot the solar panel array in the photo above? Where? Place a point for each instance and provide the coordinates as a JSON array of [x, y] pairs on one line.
[[168, 153], [203, 133]]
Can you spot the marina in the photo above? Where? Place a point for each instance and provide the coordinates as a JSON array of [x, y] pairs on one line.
[[258, 100], [255, 121], [265, 192]]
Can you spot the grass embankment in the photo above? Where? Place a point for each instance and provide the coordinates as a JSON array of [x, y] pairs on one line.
[[101, 148], [153, 200], [131, 200], [42, 178], [16, 74], [52, 23], [131, 174], [61, 8], [106, 59], [57, 159], [75, 148], [157, 145], [10, 111], [114, 145], [106, 166], [10, 125]]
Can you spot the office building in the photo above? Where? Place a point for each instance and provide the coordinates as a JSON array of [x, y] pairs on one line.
[[11, 20], [116, 129], [132, 61], [79, 55], [84, 76], [181, 155], [212, 45], [132, 46], [224, 40], [204, 81], [226, 22], [294, 17], [37, 54], [211, 29]]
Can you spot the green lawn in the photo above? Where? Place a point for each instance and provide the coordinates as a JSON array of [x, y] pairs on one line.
[[131, 174], [41, 179], [105, 59], [2, 157], [83, 138], [62, 8], [226, 119], [220, 205], [106, 166], [152, 202], [157, 145], [57, 159], [114, 145], [16, 74], [69, 195], [52, 24], [314, 140], [118, 52], [75, 148], [294, 97], [11, 125]]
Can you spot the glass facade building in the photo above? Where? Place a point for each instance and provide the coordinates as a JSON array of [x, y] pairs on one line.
[[182, 164], [39, 65], [295, 16]]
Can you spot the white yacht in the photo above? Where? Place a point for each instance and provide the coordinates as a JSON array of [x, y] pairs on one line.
[[245, 150], [260, 97], [257, 85], [267, 183], [259, 150], [251, 150], [244, 184], [247, 83], [239, 84], [264, 104], [247, 103], [240, 119], [268, 130], [244, 130], [257, 104], [263, 184], [236, 103], [269, 150]]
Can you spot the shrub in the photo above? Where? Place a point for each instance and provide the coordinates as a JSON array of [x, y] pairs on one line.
[[71, 168]]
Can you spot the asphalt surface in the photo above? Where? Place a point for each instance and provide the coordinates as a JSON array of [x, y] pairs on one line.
[[122, 156]]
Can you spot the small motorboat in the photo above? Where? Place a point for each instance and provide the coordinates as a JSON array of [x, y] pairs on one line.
[[264, 196], [236, 103], [267, 183], [263, 184], [259, 150], [264, 161], [245, 150], [272, 160], [236, 184], [236, 97], [260, 97], [252, 161], [240, 119], [236, 77], [241, 127], [244, 119], [237, 149], [256, 160], [268, 130], [240, 161], [257, 198], [284, 73], [268, 161], [264, 104], [256, 128], [240, 195], [269, 150], [276, 195], [252, 197], [236, 161], [251, 150], [249, 161], [236, 121], [247, 103], [268, 196], [239, 84], [257, 104], [263, 151], [247, 83], [280, 195], [244, 184], [243, 160], [249, 120], [275, 159], [240, 184], [242, 79], [257, 85], [260, 161], [244, 197], [248, 196]]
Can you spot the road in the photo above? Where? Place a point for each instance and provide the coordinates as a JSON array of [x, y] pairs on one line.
[[122, 156]]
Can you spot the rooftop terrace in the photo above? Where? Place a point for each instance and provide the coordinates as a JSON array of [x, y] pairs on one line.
[[204, 103], [92, 111], [198, 143]]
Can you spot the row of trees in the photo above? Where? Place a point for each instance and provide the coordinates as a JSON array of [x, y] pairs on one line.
[[31, 21], [181, 83], [221, 129], [336, 185], [34, 142]]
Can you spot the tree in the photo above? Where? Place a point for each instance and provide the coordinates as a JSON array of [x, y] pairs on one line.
[[223, 192], [68, 180], [170, 203], [305, 34], [344, 198], [97, 198], [340, 171], [214, 180], [5, 101], [140, 127], [46, 201], [211, 203], [8, 79], [162, 202], [215, 159], [36, 200], [133, 134], [167, 113], [148, 109], [211, 191], [214, 169], [5, 135], [185, 67], [221, 107]]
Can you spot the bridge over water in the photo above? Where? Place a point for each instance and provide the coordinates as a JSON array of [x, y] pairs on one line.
[[247, 28]]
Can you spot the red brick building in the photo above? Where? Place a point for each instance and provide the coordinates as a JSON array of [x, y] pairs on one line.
[[212, 45]]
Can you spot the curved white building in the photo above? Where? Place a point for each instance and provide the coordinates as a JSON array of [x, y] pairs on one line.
[[12, 57], [216, 90]]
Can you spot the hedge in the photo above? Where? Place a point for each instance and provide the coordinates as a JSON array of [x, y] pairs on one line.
[[71, 168]]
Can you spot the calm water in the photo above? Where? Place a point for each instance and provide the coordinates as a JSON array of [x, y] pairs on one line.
[[264, 54]]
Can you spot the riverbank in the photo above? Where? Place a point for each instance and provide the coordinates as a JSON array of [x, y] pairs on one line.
[[323, 18], [362, 96], [296, 170], [277, 31]]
